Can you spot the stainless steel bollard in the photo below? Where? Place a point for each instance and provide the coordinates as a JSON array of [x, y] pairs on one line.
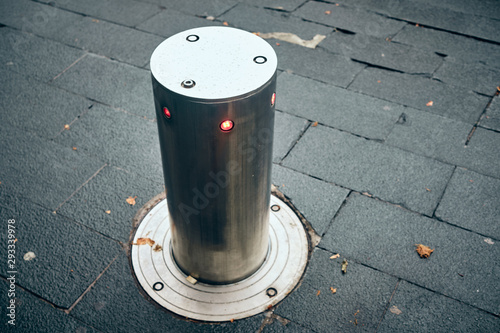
[[214, 92]]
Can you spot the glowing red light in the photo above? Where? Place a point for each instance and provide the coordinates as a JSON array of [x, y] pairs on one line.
[[167, 113], [273, 99], [226, 125]]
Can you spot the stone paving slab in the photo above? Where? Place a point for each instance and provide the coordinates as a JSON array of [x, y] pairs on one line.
[[196, 7], [31, 311], [112, 83], [444, 139], [125, 12], [317, 64], [425, 311], [358, 304], [318, 201], [472, 201], [255, 19], [352, 19], [417, 91], [463, 266], [170, 21], [340, 108], [286, 5], [107, 192], [34, 56], [387, 173], [40, 170], [460, 47], [290, 327], [287, 130], [117, 138], [475, 77], [69, 257], [491, 118], [486, 8], [29, 105], [115, 299]]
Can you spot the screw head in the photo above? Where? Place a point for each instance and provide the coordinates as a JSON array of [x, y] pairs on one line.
[[275, 208], [188, 84]]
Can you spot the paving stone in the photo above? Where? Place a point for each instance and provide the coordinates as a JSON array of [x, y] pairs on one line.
[[425, 311], [290, 327], [491, 118], [359, 303], [444, 139], [383, 53], [266, 21], [348, 18], [107, 192], [318, 201], [463, 266], [472, 201], [198, 8], [287, 130], [117, 138], [486, 8], [169, 22], [69, 257], [29, 105], [363, 165], [111, 40], [126, 12], [115, 303], [460, 47], [29, 55], [343, 109], [40, 170], [448, 101], [32, 311], [316, 63], [112, 83], [475, 77], [287, 5]]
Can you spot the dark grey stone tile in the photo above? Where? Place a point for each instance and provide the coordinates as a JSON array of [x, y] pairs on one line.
[[287, 130], [316, 63], [382, 236], [126, 12], [359, 303], [69, 257], [415, 91], [460, 47], [110, 40], [289, 327], [340, 108], [33, 56], [354, 19], [491, 118], [475, 77], [486, 8], [318, 201], [287, 5], [444, 139], [383, 53], [472, 201], [196, 7], [115, 303], [29, 105], [169, 22], [363, 165], [112, 83], [425, 311], [119, 139], [107, 192], [265, 21]]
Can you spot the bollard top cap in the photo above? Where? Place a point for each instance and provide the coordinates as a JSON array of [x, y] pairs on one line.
[[213, 63]]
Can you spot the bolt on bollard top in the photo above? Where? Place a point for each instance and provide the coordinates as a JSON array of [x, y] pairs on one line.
[[214, 93]]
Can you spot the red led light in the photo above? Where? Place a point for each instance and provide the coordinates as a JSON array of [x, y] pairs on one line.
[[167, 113], [273, 99], [226, 125]]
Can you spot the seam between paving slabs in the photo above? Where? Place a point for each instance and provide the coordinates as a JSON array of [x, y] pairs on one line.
[[388, 304], [64, 70], [476, 124], [84, 112], [298, 139], [442, 194]]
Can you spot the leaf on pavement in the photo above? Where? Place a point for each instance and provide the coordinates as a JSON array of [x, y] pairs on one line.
[[144, 241], [394, 309], [344, 266], [429, 103], [335, 256], [130, 200], [423, 251]]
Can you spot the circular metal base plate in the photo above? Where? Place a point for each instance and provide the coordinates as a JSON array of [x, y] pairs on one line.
[[165, 283]]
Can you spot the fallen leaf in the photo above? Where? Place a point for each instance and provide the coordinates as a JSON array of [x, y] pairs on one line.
[[417, 25], [232, 320], [367, 194], [210, 18], [335, 256], [294, 39], [344, 266], [131, 201], [29, 256], [334, 290], [356, 313], [429, 103], [157, 248], [191, 279], [95, 20], [66, 127], [278, 44], [378, 81], [394, 309], [319, 292], [269, 307], [337, 4], [428, 190], [328, 12], [225, 23], [256, 33], [489, 241], [356, 322], [74, 148], [144, 241], [108, 212], [423, 251], [314, 124], [498, 88]]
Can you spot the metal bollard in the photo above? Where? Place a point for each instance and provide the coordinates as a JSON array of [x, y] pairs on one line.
[[214, 92]]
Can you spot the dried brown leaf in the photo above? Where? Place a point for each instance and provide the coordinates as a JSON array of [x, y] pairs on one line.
[[429, 103], [328, 12], [334, 290], [66, 127], [144, 241], [335, 256], [319, 292], [74, 148], [423, 251], [191, 279], [394, 309], [314, 124], [344, 266], [225, 23], [157, 248], [130, 200], [108, 212]]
